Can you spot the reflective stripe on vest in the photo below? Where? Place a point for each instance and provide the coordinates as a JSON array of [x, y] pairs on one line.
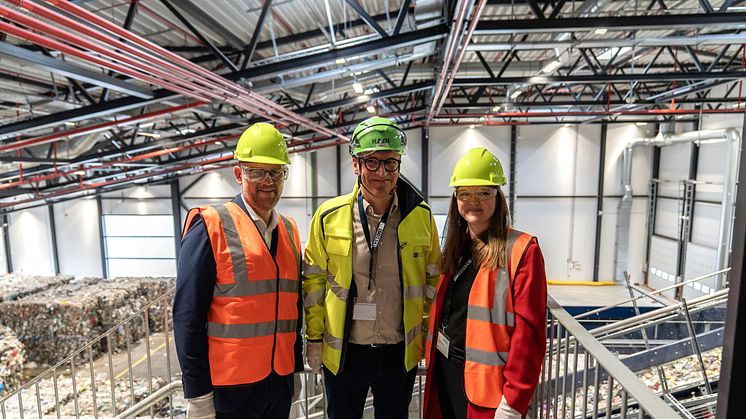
[[253, 314]]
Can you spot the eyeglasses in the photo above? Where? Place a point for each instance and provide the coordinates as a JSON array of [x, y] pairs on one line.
[[390, 165], [258, 175], [480, 194]]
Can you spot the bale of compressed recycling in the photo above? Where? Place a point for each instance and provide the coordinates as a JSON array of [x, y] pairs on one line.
[[151, 290], [55, 322], [14, 286], [12, 357]]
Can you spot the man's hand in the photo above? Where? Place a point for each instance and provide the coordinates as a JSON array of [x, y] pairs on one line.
[[202, 407], [313, 356]]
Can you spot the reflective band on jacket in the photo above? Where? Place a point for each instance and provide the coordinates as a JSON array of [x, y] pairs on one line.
[[254, 313]]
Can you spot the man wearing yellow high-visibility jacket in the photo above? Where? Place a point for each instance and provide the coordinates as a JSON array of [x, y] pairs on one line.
[[369, 276]]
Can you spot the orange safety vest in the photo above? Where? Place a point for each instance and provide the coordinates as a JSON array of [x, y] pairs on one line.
[[251, 325], [489, 325]]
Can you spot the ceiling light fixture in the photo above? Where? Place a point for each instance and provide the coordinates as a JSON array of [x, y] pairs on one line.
[[641, 124], [496, 108], [516, 94], [358, 88], [472, 126], [371, 109], [340, 61], [600, 31]]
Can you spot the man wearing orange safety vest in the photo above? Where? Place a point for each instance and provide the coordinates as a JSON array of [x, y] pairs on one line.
[[237, 305]]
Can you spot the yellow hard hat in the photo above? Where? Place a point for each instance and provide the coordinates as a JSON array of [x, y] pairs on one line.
[[262, 143], [478, 167]]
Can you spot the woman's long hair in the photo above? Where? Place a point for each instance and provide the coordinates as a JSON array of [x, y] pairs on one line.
[[488, 249]]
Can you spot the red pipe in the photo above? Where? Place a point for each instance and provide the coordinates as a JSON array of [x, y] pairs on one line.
[[34, 179], [150, 61], [95, 127], [52, 44], [214, 81]]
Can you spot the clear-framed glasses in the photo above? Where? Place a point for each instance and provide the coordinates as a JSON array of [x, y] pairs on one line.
[[257, 175], [481, 194], [390, 165]]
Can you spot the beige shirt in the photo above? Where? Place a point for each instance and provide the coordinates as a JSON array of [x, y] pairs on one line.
[[264, 229], [385, 291]]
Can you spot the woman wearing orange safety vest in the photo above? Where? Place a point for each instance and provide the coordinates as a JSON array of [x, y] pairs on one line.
[[487, 329]]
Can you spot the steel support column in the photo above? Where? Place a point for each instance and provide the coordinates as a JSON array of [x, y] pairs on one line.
[[176, 213], [314, 180], [339, 169], [425, 162], [732, 384], [513, 144], [653, 206], [599, 201], [6, 238], [53, 234], [102, 238]]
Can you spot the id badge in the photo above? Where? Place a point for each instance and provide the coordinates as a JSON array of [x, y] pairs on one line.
[[443, 343], [364, 311]]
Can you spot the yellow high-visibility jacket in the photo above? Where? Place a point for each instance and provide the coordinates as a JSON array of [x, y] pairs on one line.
[[327, 276]]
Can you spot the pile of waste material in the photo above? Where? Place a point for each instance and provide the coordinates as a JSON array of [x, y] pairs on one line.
[[55, 322], [12, 358], [14, 286]]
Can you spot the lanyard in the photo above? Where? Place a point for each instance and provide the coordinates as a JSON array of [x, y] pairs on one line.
[[372, 245], [449, 295]]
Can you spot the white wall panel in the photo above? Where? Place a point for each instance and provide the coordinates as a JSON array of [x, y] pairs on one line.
[[298, 182], [143, 268], [667, 218], [3, 261], [549, 157], [674, 167], [706, 224], [663, 259], [412, 161], [78, 243], [327, 169], [711, 168], [563, 241], [700, 261], [448, 144], [30, 242]]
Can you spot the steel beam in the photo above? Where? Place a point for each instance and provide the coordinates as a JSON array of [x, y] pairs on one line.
[[614, 23], [215, 50], [6, 241], [102, 237], [251, 47], [599, 201], [399, 41], [53, 233], [354, 100], [599, 78], [176, 214], [367, 18], [72, 71]]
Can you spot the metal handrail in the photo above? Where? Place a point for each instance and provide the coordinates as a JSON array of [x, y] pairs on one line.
[[167, 295], [552, 399]]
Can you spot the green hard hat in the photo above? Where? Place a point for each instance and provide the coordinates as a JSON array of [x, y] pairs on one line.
[[378, 134], [262, 143], [478, 167]]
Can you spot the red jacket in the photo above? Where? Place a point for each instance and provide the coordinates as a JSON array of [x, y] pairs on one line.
[[527, 338]]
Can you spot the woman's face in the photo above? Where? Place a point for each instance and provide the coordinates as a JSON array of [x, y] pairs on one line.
[[476, 204]]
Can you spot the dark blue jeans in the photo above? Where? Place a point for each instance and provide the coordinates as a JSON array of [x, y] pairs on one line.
[[380, 369]]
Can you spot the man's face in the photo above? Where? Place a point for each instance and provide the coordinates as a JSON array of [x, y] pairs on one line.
[[261, 184], [379, 182]]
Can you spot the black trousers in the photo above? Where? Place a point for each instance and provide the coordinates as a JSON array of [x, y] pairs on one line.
[[380, 369], [449, 375], [266, 399]]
